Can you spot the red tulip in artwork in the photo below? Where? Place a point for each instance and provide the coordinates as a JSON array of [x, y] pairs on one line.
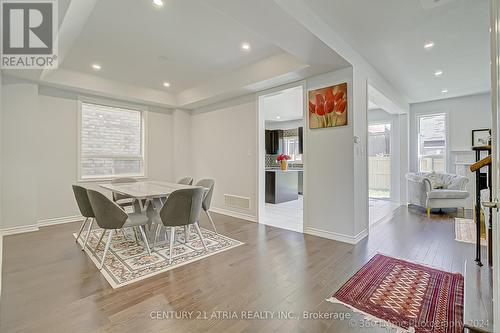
[[328, 106]]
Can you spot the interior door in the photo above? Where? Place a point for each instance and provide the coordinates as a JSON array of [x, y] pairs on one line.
[[495, 75]]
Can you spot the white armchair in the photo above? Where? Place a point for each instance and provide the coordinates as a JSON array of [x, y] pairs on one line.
[[437, 190]]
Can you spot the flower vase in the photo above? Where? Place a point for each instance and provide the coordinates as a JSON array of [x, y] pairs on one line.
[[284, 165]]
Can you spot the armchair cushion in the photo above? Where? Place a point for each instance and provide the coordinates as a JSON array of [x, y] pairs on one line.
[[436, 180], [447, 194]]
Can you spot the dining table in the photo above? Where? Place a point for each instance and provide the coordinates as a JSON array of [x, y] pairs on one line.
[[149, 195]]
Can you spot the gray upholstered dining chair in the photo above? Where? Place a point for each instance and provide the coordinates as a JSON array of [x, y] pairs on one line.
[[82, 200], [182, 209], [123, 200], [110, 216], [186, 181], [207, 200]]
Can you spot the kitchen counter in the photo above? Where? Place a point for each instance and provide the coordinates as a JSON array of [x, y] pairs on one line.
[[282, 186], [287, 170]]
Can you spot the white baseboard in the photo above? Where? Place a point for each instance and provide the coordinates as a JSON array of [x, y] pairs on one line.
[[60, 220], [18, 230], [40, 224], [336, 236], [231, 213]]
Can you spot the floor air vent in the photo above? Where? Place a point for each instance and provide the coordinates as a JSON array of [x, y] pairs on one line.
[[235, 201]]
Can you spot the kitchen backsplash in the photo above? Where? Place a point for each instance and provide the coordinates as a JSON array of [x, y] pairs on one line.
[[271, 159]]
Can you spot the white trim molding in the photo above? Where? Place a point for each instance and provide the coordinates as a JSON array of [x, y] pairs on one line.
[[18, 230], [40, 224], [60, 220], [238, 215], [336, 236]]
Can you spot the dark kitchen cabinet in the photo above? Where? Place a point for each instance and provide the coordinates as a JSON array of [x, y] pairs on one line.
[[274, 139], [301, 140]]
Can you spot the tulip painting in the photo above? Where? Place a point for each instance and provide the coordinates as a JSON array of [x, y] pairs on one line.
[[328, 106]]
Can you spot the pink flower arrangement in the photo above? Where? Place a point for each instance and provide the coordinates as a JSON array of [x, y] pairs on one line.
[[283, 157]]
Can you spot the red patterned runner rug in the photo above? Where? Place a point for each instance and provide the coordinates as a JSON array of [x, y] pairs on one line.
[[405, 295]]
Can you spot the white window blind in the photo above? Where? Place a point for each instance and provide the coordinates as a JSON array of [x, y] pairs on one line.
[[111, 142]]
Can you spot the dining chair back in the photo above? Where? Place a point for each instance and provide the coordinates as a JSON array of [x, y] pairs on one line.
[[207, 200], [182, 209], [209, 184], [186, 181], [108, 214], [83, 202]]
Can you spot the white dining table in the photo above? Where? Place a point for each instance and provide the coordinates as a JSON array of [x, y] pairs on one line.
[[149, 192]]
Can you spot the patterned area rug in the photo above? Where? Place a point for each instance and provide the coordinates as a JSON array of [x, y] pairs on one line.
[[405, 295], [465, 231], [127, 262]]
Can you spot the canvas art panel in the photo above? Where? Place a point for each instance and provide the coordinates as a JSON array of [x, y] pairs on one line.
[[328, 106]]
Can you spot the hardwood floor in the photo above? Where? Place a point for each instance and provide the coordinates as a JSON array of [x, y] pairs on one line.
[[49, 285]]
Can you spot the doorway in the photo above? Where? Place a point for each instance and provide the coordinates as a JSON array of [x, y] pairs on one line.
[[281, 114], [386, 142]]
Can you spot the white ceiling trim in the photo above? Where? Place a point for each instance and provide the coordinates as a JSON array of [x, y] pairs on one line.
[[91, 84], [73, 23]]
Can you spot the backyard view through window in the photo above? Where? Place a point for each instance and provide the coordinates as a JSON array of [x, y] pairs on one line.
[[111, 142], [291, 148], [379, 150], [432, 143]]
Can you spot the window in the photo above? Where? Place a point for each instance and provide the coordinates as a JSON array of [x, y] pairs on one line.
[[432, 142], [111, 142], [291, 148]]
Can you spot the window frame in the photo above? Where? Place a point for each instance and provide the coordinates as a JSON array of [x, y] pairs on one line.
[[285, 151], [446, 137], [144, 138]]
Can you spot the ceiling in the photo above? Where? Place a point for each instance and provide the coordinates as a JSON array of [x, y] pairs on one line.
[[195, 45], [391, 34], [185, 43], [284, 105]]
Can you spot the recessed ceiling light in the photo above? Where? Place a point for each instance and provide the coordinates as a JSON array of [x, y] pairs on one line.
[[278, 117], [444, 91], [429, 45], [158, 3], [438, 73], [96, 67], [166, 84], [245, 46]]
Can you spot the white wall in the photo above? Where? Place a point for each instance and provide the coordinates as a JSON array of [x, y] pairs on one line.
[[463, 115], [223, 147], [20, 152], [182, 144], [39, 133], [329, 170]]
